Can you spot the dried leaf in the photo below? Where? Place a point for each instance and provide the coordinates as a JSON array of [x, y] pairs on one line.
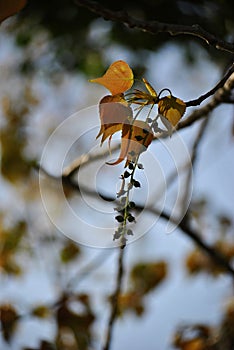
[[10, 241], [76, 322], [136, 138], [117, 79], [147, 276], [131, 301], [113, 111], [10, 7], [172, 108], [41, 311], [69, 252], [197, 337], [8, 321]]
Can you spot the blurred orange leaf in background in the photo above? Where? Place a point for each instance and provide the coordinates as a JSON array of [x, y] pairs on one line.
[[10, 7]]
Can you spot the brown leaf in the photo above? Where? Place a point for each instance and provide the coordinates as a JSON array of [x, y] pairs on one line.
[[113, 111], [41, 311], [131, 301], [8, 318], [147, 276], [136, 138], [69, 252]]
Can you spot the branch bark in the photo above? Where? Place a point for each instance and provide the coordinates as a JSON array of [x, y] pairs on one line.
[[155, 27], [114, 300]]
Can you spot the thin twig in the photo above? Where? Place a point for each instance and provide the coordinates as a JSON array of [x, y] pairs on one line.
[[171, 178], [114, 300], [211, 92], [155, 27], [187, 182], [184, 227], [217, 257], [218, 98], [90, 267], [198, 139], [86, 159], [213, 253]]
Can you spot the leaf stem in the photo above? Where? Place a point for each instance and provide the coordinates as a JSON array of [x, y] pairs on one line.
[[126, 205]]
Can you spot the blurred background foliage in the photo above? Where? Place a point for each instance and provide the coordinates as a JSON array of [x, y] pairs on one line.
[[52, 39]]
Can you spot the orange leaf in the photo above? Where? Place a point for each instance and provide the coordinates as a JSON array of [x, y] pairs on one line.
[[136, 138], [172, 108], [10, 7], [113, 111], [117, 79]]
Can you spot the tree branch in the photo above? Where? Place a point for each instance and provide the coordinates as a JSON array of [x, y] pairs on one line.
[[114, 300], [216, 256], [219, 97], [155, 27], [86, 159], [218, 86], [187, 182], [212, 252]]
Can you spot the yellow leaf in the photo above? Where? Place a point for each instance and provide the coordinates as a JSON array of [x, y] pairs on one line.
[[136, 138], [142, 97], [172, 108], [10, 7], [113, 111], [117, 79], [150, 88]]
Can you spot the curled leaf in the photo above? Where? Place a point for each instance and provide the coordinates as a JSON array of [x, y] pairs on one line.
[[117, 79], [144, 98], [136, 137], [150, 88], [113, 111], [172, 108]]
